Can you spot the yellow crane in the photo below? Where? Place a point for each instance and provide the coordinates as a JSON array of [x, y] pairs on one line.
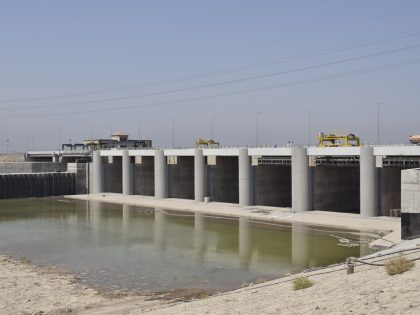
[[207, 143], [335, 140]]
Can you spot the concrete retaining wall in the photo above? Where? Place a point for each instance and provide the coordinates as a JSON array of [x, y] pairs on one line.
[[223, 180], [273, 185], [336, 189], [410, 203], [390, 189], [37, 185], [181, 178], [81, 171], [144, 177], [113, 175], [31, 167]]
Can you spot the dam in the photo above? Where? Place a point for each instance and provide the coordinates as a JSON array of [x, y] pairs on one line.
[[363, 180]]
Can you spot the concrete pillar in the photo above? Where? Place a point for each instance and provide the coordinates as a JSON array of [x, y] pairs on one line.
[[368, 183], [127, 174], [98, 183], [301, 180], [245, 179], [161, 175], [200, 176], [56, 158]]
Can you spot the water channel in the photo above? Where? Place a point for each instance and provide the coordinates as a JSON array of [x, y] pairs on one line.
[[147, 250]]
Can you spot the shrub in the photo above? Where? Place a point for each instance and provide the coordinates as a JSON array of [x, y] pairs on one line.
[[301, 283], [398, 265]]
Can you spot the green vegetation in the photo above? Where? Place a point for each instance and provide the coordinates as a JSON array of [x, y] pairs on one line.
[[398, 265], [301, 283]]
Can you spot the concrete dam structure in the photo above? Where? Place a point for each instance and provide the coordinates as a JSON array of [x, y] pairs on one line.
[[365, 180], [37, 185], [42, 179]]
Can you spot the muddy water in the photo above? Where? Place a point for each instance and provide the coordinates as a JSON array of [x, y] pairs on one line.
[[149, 250]]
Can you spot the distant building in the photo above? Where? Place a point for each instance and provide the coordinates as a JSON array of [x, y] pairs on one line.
[[119, 140]]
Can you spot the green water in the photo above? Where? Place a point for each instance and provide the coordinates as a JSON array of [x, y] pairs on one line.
[[149, 250]]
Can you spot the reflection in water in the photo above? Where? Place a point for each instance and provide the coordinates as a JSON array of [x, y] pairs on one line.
[[199, 235], [121, 246], [300, 246], [95, 209], [244, 243], [160, 229]]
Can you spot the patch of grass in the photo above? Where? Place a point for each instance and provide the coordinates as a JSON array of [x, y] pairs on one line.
[[245, 284], [301, 283], [398, 265], [25, 260], [260, 280]]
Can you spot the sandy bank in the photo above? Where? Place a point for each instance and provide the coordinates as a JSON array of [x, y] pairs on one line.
[[391, 227], [28, 289], [370, 290]]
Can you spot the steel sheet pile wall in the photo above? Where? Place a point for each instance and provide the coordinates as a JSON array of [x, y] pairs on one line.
[[37, 185]]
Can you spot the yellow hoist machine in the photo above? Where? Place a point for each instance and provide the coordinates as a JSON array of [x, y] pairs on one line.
[[334, 140], [206, 143]]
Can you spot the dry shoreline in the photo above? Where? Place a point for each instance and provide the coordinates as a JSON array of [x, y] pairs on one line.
[[28, 289]]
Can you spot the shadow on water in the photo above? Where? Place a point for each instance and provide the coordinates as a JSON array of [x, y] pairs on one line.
[[153, 250]]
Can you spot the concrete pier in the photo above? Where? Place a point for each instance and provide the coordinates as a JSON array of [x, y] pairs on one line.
[[301, 180], [127, 174], [200, 176], [368, 183], [98, 173], [245, 179], [410, 204], [161, 175]]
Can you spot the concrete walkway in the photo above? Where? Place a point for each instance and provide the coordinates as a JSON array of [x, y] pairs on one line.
[[387, 226]]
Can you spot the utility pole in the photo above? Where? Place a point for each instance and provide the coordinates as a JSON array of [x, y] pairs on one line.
[[378, 131], [7, 145], [59, 139], [139, 130], [173, 133], [212, 126], [110, 138], [27, 141], [258, 128], [91, 131], [310, 125]]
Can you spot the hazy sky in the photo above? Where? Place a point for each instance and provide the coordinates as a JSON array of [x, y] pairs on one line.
[[86, 66]]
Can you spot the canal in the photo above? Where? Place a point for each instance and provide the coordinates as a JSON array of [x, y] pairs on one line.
[[147, 250]]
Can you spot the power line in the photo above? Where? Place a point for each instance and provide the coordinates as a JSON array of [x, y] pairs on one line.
[[316, 53], [216, 84], [200, 98]]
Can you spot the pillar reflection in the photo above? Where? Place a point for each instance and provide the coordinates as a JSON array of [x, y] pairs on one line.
[[199, 235], [160, 228], [300, 247], [244, 243]]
